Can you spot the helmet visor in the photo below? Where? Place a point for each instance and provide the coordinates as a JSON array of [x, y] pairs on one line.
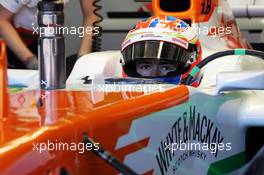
[[138, 55]]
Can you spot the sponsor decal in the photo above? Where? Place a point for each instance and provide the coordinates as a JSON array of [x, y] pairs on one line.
[[180, 42], [197, 133], [206, 6], [188, 136], [150, 36]]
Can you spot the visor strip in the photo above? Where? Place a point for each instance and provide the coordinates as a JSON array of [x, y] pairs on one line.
[[160, 49]]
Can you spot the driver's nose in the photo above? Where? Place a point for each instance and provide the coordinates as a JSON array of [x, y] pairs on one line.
[[155, 71], [158, 72]]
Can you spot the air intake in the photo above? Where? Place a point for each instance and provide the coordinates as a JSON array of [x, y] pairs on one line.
[[175, 5]]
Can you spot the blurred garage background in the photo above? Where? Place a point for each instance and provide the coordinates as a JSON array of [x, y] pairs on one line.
[[121, 15]]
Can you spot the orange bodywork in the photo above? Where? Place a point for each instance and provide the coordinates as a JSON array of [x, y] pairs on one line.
[[3, 80], [63, 116]]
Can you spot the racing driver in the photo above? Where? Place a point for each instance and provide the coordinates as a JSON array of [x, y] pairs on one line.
[[161, 47]]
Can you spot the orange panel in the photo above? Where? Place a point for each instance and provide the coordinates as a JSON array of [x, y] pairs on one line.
[[3, 81], [63, 116]]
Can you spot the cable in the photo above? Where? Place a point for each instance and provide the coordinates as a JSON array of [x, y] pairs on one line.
[[110, 159], [248, 15], [96, 39], [217, 55]]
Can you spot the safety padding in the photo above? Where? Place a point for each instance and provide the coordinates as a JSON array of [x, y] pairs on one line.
[[106, 64]]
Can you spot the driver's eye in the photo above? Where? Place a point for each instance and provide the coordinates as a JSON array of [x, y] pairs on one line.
[[167, 68], [145, 67]]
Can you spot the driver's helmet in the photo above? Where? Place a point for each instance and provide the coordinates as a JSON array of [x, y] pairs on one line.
[[160, 47]]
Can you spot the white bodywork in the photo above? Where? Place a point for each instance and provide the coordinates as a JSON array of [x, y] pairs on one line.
[[106, 64]]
